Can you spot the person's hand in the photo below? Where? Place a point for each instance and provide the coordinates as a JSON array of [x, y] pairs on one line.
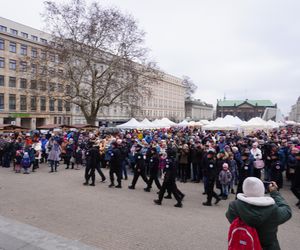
[[273, 186]]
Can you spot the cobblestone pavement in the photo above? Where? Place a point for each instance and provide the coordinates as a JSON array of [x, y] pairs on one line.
[[120, 218]]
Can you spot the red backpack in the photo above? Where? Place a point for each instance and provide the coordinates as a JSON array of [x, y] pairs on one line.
[[242, 237]]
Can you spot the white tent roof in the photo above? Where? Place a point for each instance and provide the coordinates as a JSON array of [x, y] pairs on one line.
[[131, 124], [184, 123], [168, 122], [221, 124], [205, 122], [159, 124], [147, 123], [273, 124], [256, 123]]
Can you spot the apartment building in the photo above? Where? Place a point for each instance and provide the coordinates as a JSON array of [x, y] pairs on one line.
[[197, 110], [294, 114], [26, 93]]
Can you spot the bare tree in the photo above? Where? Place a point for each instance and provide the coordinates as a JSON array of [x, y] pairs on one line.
[[190, 86], [100, 54]]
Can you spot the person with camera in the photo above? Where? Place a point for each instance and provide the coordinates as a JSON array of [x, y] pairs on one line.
[[262, 213]]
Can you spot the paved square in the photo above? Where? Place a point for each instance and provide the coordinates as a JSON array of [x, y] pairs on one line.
[[121, 218]]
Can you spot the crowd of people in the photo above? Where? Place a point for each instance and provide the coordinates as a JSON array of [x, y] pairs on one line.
[[221, 160]]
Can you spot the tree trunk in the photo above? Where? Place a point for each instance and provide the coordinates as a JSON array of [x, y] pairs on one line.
[[91, 120]]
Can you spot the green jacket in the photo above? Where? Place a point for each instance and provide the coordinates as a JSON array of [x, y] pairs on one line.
[[264, 219]]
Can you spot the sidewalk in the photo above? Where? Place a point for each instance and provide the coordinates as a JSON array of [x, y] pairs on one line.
[[18, 236]]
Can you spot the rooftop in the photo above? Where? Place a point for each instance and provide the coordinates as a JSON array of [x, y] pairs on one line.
[[229, 103]]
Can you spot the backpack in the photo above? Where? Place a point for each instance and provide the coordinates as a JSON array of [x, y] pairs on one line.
[[26, 162], [242, 237]]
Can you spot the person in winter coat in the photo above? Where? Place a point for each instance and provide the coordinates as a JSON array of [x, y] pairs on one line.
[[210, 172], [139, 169], [295, 188], [154, 170], [183, 162], [225, 179], [257, 155], [115, 165], [265, 214], [93, 160], [54, 156]]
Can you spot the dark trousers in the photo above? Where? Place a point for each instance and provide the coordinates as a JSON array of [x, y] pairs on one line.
[[90, 173], [257, 173], [154, 177], [210, 191], [276, 175], [6, 160], [35, 165], [169, 190], [100, 172], [117, 172], [197, 171], [295, 188], [171, 187], [183, 171], [124, 170], [137, 174], [53, 165]]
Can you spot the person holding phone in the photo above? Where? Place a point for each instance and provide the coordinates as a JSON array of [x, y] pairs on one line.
[[264, 213]]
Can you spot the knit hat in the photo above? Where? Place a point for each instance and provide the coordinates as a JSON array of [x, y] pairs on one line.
[[225, 166], [254, 191]]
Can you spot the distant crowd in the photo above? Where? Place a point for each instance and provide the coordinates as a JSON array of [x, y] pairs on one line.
[[221, 160]]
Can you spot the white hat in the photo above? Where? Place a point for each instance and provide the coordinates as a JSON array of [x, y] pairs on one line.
[[254, 191]]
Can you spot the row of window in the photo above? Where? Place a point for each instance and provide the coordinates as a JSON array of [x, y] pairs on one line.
[[22, 34], [24, 51], [54, 104], [33, 84]]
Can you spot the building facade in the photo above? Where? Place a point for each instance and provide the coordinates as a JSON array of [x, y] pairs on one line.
[[166, 100], [26, 96], [198, 110], [295, 112], [30, 98], [244, 109]]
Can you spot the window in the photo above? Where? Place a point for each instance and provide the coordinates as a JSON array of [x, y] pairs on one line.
[[43, 103], [1, 101], [33, 103], [23, 34], [43, 40], [12, 82], [52, 57], [23, 66], [51, 86], [59, 105], [1, 80], [23, 50], [43, 70], [33, 84], [59, 120], [43, 86], [14, 32], [12, 47], [23, 103], [60, 88], [23, 83], [34, 38], [34, 52], [55, 120], [43, 55], [60, 72], [51, 104], [12, 102], [2, 62], [33, 68], [68, 106], [2, 44], [12, 64], [3, 28], [51, 71]]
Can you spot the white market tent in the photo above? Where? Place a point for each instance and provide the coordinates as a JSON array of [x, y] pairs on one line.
[[147, 124], [205, 122], [273, 124], [131, 124], [159, 124], [168, 122], [184, 123], [221, 124], [256, 123]]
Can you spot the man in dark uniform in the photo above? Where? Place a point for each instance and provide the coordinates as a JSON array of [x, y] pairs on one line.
[[153, 166], [92, 161], [169, 181], [115, 165], [210, 172], [245, 170], [139, 169]]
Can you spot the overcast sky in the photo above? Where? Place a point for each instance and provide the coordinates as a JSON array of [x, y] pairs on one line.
[[237, 48]]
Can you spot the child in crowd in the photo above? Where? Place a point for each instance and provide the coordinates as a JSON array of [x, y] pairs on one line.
[[162, 162], [26, 162], [234, 172], [78, 158], [225, 179], [18, 161]]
